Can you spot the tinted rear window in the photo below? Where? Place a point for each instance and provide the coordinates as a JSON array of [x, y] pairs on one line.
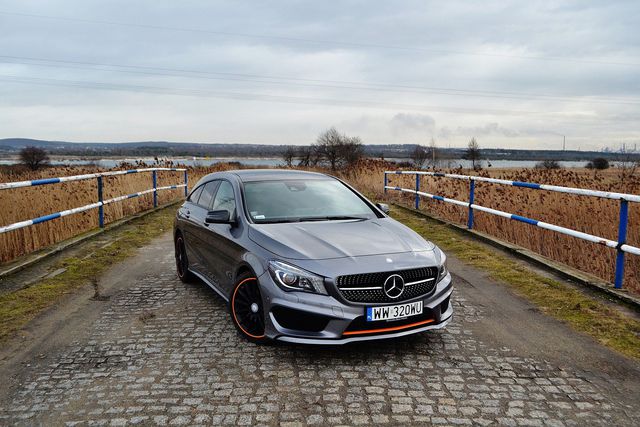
[[207, 194], [195, 195]]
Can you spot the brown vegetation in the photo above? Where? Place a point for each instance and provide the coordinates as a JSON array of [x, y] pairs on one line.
[[587, 214], [30, 202]]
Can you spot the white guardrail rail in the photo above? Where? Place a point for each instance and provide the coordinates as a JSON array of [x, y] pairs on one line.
[[100, 203], [621, 246]]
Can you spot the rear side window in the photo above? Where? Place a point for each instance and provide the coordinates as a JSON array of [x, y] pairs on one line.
[[207, 194], [225, 198], [195, 194]]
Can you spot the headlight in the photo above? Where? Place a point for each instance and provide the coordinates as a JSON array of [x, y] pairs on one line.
[[442, 270], [291, 278]]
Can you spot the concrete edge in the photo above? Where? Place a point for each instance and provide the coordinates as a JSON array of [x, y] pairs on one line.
[[28, 260], [585, 279]]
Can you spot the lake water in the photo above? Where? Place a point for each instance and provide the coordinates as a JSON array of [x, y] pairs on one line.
[[275, 161]]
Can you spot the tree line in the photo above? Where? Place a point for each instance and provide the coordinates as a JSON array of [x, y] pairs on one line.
[[332, 148], [430, 156]]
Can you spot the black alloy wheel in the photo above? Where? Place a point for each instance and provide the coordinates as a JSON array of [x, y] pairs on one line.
[[247, 310], [182, 263]]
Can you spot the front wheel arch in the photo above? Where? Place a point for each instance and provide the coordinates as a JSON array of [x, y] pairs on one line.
[[246, 292]]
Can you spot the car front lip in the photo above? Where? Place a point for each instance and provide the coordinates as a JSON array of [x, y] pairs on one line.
[[341, 315], [347, 340]]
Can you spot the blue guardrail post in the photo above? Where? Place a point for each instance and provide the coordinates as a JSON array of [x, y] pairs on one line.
[[186, 184], [472, 191], [155, 186], [385, 183], [622, 239], [417, 189], [101, 207]]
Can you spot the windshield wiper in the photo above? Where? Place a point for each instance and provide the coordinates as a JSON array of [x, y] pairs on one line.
[[332, 218], [277, 221], [311, 218]]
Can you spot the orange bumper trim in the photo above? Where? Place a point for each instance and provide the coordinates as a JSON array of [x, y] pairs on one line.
[[390, 329]]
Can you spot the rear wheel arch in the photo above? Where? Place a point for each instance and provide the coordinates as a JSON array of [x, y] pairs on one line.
[[182, 262]]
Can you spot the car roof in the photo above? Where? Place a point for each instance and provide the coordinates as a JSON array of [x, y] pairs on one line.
[[252, 175], [248, 175]]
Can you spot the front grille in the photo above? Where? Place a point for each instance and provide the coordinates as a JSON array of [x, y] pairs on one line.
[[356, 282]]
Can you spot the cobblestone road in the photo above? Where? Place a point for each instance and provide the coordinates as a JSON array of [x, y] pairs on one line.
[[165, 353]]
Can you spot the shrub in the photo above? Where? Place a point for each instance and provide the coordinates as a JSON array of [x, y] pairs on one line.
[[598, 163], [33, 157], [548, 164]]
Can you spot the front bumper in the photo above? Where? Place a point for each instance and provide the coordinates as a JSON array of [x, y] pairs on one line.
[[301, 317]]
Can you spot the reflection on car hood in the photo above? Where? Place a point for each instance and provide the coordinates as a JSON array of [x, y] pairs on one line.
[[337, 239]]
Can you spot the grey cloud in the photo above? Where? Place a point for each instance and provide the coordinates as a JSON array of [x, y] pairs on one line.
[[407, 123], [480, 57], [489, 129]]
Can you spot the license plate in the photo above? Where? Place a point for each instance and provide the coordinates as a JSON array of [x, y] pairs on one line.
[[391, 312]]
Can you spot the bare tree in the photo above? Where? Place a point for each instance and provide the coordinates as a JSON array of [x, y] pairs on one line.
[[305, 156], [338, 149], [628, 163], [473, 152], [289, 155], [433, 153], [33, 157], [419, 156], [308, 156], [352, 150], [329, 145]]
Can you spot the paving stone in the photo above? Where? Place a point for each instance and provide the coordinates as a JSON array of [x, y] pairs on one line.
[[187, 365]]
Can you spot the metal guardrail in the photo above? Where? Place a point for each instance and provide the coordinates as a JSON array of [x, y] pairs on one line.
[[620, 246], [101, 202]]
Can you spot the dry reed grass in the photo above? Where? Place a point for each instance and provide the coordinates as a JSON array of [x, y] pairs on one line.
[[587, 214], [30, 202]]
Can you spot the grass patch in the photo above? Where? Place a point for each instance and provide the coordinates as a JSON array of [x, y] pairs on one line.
[[586, 314], [19, 307]]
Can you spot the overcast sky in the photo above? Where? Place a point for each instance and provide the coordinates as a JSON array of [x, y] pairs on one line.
[[512, 74]]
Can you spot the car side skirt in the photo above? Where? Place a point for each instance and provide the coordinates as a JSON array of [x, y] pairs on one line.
[[211, 285]]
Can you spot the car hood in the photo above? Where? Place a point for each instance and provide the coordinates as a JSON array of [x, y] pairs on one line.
[[337, 239]]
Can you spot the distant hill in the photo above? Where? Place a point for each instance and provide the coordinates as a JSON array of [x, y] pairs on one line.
[[11, 146]]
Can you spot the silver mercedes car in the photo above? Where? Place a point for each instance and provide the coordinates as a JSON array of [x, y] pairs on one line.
[[303, 257]]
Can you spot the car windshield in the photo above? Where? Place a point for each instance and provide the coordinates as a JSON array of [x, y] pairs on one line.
[[303, 200]]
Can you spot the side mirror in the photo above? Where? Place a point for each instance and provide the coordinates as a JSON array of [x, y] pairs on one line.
[[383, 207], [222, 216]]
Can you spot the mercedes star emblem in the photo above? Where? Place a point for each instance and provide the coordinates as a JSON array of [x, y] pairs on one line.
[[393, 286]]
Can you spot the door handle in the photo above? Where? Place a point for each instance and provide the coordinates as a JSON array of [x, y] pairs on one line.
[[187, 214]]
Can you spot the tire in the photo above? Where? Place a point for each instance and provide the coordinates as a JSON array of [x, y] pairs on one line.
[[182, 263], [246, 309]]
